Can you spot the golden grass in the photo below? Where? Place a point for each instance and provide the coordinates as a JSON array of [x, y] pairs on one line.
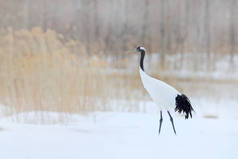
[[42, 71]]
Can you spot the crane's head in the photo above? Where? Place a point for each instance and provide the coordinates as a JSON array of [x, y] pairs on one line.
[[141, 50], [138, 49]]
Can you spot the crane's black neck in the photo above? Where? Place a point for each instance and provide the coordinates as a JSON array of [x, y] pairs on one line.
[[142, 59]]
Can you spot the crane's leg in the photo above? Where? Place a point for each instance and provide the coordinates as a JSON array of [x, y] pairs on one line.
[[160, 121], [172, 121]]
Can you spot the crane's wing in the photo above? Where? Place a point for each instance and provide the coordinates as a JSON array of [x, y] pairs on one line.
[[163, 94]]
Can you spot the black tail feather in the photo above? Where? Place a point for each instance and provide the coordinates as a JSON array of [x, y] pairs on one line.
[[183, 105]]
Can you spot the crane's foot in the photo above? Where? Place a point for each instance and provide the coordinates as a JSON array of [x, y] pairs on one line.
[[160, 121], [172, 121]]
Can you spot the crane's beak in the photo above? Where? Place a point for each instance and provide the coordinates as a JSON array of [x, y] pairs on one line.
[[131, 51]]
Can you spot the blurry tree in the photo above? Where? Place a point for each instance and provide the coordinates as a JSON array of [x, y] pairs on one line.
[[145, 25], [26, 13], [233, 21], [162, 32], [207, 30], [112, 26], [125, 27]]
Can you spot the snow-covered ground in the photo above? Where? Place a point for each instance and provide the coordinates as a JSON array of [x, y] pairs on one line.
[[120, 136]]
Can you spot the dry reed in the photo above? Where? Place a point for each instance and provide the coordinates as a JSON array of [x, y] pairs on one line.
[[41, 71]]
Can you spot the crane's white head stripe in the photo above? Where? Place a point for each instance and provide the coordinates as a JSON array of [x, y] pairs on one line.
[[142, 48]]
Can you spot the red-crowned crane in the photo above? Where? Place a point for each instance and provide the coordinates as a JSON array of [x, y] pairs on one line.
[[165, 96]]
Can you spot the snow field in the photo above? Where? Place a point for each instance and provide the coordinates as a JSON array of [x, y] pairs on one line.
[[121, 135]]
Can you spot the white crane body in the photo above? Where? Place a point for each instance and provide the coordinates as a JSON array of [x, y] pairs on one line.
[[161, 93]]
